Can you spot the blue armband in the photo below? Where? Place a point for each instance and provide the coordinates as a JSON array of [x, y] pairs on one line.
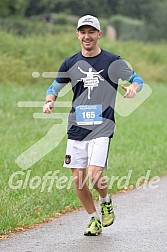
[[137, 79], [55, 88]]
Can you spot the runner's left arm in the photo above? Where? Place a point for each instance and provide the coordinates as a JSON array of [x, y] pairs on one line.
[[136, 84], [124, 72]]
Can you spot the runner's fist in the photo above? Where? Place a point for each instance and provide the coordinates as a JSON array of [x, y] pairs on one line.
[[48, 107]]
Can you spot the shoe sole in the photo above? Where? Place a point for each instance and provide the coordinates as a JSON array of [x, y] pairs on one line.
[[107, 225], [90, 234]]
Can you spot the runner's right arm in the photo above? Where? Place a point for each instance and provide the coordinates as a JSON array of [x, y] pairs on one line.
[[51, 96], [61, 80]]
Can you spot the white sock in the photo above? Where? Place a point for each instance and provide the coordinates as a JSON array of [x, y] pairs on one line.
[[95, 214], [106, 199]]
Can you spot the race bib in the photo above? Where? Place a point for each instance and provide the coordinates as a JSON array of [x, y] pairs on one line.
[[89, 114]]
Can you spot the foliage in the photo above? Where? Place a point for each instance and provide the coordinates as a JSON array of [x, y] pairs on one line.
[[152, 12], [8, 8], [45, 52], [128, 28], [37, 25]]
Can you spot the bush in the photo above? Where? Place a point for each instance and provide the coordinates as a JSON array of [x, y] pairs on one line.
[[38, 25], [128, 28]]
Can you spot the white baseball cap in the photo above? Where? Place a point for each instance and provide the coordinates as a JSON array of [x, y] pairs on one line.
[[89, 20]]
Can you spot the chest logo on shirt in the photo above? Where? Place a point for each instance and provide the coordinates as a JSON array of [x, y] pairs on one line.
[[91, 80]]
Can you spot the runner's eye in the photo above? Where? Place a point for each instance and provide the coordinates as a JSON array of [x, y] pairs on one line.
[[82, 32]]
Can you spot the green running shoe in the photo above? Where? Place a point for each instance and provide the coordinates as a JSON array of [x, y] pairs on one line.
[[107, 212], [94, 227]]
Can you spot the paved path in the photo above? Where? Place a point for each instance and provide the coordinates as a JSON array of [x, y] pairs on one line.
[[140, 226]]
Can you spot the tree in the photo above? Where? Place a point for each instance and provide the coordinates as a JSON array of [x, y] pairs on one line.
[[8, 7], [156, 20]]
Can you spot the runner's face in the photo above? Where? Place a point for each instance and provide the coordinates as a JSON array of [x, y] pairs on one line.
[[88, 37]]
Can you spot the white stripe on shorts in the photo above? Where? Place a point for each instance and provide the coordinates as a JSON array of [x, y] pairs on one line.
[[81, 154]]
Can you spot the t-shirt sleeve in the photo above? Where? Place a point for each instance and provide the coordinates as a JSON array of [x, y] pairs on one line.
[[63, 74], [119, 69]]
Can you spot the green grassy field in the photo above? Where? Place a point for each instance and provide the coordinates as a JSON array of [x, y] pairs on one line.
[[140, 142]]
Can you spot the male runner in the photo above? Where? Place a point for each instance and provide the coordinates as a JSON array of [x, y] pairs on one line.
[[93, 74]]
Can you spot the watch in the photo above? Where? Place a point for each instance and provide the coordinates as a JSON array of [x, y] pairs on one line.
[[48, 101]]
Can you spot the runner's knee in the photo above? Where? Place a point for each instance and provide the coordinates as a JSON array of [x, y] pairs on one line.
[[78, 175], [94, 174]]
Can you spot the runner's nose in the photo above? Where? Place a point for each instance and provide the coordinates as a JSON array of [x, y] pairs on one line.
[[87, 36]]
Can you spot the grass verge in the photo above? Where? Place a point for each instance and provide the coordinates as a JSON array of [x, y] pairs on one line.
[[139, 145]]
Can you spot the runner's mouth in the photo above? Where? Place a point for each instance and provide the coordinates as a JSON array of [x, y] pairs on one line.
[[87, 43]]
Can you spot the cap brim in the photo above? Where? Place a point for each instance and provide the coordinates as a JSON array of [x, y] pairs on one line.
[[87, 25]]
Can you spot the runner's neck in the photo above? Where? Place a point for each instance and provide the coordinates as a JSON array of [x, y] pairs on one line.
[[92, 53]]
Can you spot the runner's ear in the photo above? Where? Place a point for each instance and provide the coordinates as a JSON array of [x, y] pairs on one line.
[[100, 34], [77, 34]]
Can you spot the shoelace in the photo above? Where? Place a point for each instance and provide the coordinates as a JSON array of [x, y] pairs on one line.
[[93, 220], [106, 208]]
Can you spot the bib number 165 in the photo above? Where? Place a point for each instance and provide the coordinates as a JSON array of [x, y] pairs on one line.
[[88, 115]]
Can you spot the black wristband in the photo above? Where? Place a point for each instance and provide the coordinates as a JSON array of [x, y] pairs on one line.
[[47, 101]]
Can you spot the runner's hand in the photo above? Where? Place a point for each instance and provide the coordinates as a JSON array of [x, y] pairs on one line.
[[47, 108], [130, 91]]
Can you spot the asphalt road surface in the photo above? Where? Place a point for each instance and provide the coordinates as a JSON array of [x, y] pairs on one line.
[[140, 226]]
